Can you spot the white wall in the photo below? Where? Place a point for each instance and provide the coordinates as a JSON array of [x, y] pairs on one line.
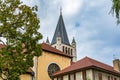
[[65, 77], [79, 76], [55, 78], [104, 75], [90, 74]]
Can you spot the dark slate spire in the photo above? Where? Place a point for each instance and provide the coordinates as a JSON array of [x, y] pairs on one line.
[[73, 41], [60, 31], [47, 41]]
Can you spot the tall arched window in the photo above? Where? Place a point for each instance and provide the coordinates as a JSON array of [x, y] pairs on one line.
[[66, 50], [71, 52], [63, 49]]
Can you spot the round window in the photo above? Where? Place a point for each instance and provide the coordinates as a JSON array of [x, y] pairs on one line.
[[52, 68]]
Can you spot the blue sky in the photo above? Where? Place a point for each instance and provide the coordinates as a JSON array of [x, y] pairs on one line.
[[89, 21]]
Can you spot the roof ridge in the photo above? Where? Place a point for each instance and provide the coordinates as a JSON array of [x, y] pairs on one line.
[[91, 60]]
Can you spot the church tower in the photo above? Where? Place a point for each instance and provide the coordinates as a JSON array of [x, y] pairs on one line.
[[60, 40]]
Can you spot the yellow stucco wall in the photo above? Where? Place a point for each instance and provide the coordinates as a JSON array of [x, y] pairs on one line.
[[46, 59], [25, 77]]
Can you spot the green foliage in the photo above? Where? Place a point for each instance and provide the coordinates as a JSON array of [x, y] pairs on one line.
[[116, 9], [19, 26]]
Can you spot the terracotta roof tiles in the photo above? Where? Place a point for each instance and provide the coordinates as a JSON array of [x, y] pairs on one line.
[[87, 63], [48, 48]]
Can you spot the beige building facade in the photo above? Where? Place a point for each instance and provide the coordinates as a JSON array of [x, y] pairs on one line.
[[26, 77]]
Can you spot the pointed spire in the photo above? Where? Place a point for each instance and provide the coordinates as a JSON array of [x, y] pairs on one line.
[[60, 31], [47, 41], [58, 34], [73, 41]]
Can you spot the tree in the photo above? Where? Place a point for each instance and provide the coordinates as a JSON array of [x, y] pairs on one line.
[[19, 27], [116, 9]]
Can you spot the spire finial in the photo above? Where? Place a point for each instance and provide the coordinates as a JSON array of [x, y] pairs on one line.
[[60, 10]]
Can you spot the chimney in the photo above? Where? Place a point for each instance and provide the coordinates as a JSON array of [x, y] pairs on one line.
[[116, 65]]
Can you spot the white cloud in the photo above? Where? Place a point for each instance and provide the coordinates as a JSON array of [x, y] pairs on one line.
[[71, 7], [31, 2]]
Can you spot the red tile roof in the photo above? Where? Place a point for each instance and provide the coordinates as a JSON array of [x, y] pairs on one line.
[[46, 47], [86, 63]]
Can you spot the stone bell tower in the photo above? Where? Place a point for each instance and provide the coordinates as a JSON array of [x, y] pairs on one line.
[[60, 39]]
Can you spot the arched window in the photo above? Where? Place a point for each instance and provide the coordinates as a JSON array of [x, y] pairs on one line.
[[66, 50], [71, 52], [63, 49]]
